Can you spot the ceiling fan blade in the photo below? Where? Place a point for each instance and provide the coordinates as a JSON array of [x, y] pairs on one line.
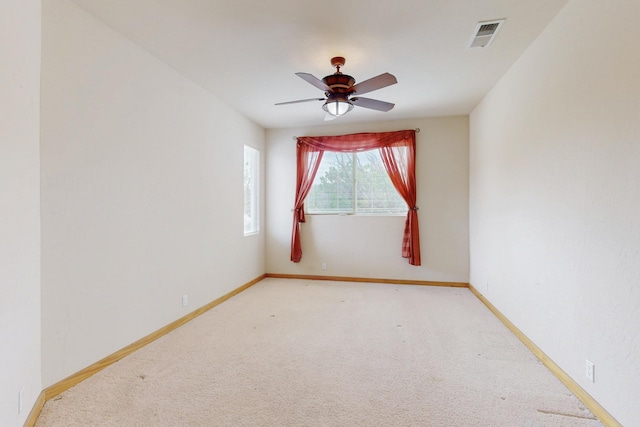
[[300, 100], [375, 83], [373, 104], [310, 78]]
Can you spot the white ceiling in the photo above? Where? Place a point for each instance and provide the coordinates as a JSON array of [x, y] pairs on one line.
[[247, 51]]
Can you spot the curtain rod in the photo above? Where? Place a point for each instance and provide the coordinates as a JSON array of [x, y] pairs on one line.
[[417, 130]]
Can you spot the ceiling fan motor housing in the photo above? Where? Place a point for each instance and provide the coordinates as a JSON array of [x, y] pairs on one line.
[[340, 83]]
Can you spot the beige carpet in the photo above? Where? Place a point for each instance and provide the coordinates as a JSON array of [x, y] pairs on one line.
[[317, 353]]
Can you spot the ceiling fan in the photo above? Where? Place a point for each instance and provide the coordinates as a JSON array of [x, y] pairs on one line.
[[339, 90]]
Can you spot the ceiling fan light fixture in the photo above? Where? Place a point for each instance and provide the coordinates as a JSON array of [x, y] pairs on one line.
[[337, 105]]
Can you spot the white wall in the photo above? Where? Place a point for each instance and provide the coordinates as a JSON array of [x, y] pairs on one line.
[[555, 197], [19, 208], [141, 193], [370, 246]]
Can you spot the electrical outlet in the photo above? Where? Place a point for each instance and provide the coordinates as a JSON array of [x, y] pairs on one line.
[[185, 300], [324, 266], [590, 371]]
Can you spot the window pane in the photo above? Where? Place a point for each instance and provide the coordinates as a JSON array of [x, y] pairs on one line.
[[348, 183], [251, 188], [375, 194], [332, 190]]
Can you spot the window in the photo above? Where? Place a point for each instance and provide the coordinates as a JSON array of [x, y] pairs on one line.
[[353, 183], [251, 190], [398, 152]]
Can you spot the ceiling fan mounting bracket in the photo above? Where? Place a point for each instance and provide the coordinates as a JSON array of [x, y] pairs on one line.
[[337, 62]]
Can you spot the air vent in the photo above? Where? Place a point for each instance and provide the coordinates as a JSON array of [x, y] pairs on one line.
[[485, 33]]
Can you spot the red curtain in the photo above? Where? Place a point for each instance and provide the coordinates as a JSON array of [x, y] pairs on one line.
[[399, 161], [397, 150], [308, 160]]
